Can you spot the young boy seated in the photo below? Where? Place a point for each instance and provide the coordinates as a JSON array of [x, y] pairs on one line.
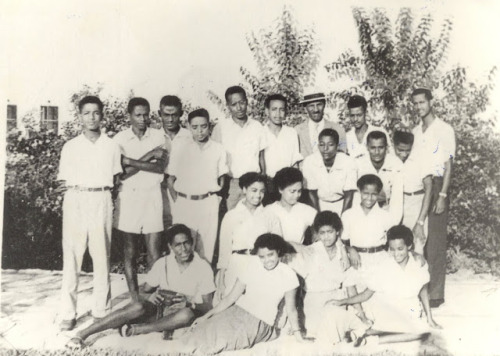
[[391, 299], [325, 269], [178, 289]]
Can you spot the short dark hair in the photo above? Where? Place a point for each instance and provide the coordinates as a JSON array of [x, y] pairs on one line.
[[272, 97], [357, 101], [327, 218], [376, 135], [406, 138], [287, 176], [171, 100], [177, 229], [250, 178], [370, 179], [331, 133], [425, 91], [198, 112], [235, 90], [272, 242], [90, 99], [400, 232], [137, 102]]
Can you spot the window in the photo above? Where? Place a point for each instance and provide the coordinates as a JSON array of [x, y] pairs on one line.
[[11, 117], [49, 118]]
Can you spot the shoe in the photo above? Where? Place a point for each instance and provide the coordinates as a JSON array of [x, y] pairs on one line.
[[75, 343], [435, 303], [168, 334], [67, 325], [126, 330]]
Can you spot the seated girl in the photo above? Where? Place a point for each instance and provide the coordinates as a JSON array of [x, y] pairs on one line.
[[295, 217], [247, 315], [391, 299]]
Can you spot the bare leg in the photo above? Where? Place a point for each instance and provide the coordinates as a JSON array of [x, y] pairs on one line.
[[131, 312], [183, 317], [129, 261], [388, 338], [153, 245]]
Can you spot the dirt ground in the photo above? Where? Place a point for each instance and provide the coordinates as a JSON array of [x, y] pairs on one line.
[[29, 302]]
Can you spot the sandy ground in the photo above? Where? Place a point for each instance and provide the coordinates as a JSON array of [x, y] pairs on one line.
[[29, 303]]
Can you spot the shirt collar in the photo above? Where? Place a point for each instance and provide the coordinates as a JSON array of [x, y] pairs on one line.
[[132, 135]]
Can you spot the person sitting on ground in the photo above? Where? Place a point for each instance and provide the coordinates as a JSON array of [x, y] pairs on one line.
[[240, 228], [179, 288], [247, 315], [391, 299]]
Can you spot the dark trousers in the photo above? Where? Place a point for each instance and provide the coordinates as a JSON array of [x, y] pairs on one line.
[[435, 249]]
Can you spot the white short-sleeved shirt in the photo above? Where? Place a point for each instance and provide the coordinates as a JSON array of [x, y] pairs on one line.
[[197, 168], [282, 150], [330, 185], [294, 222], [182, 134], [265, 288], [242, 144], [240, 228], [357, 149], [388, 173], [195, 281], [368, 230], [134, 147], [436, 145], [90, 164], [321, 273], [413, 173]]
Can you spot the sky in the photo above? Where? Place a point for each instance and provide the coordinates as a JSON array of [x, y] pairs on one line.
[[53, 47]]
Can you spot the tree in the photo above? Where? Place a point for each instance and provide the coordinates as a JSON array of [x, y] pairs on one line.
[[286, 58]]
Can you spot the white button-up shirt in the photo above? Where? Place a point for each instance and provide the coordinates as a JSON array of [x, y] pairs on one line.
[[295, 222], [357, 149], [90, 164], [413, 172], [282, 150], [242, 143]]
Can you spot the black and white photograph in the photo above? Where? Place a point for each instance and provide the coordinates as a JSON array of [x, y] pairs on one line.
[[250, 177]]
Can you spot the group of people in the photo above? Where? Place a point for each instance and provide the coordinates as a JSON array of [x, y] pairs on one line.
[[335, 224]]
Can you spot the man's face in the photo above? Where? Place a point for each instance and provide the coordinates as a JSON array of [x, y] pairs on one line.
[[421, 105], [170, 117], [91, 116], [369, 195], [139, 117], [200, 128], [327, 147], [315, 110], [357, 116], [182, 247], [237, 105], [377, 150], [276, 112], [403, 150]]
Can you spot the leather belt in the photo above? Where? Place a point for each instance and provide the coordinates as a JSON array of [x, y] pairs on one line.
[[194, 197], [370, 249], [245, 251], [86, 189], [418, 192]]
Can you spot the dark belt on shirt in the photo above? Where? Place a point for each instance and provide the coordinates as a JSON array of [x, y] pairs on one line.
[[244, 251], [87, 189], [418, 192], [194, 197], [370, 249]]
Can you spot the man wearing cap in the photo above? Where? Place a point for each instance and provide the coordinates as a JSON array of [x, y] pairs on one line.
[[434, 142], [309, 130]]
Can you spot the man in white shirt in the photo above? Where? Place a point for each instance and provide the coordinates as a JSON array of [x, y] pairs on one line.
[[417, 185], [435, 143], [170, 113], [139, 207], [310, 129], [244, 140], [283, 143], [89, 163], [178, 289], [357, 136]]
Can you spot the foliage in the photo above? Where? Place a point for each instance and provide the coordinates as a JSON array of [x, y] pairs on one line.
[[286, 58], [392, 64]]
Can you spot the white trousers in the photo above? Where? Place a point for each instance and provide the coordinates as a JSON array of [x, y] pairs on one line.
[[202, 217], [411, 210], [87, 219]]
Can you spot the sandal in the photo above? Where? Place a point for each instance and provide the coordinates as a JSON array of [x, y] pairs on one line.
[[359, 341], [75, 343], [126, 330]]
